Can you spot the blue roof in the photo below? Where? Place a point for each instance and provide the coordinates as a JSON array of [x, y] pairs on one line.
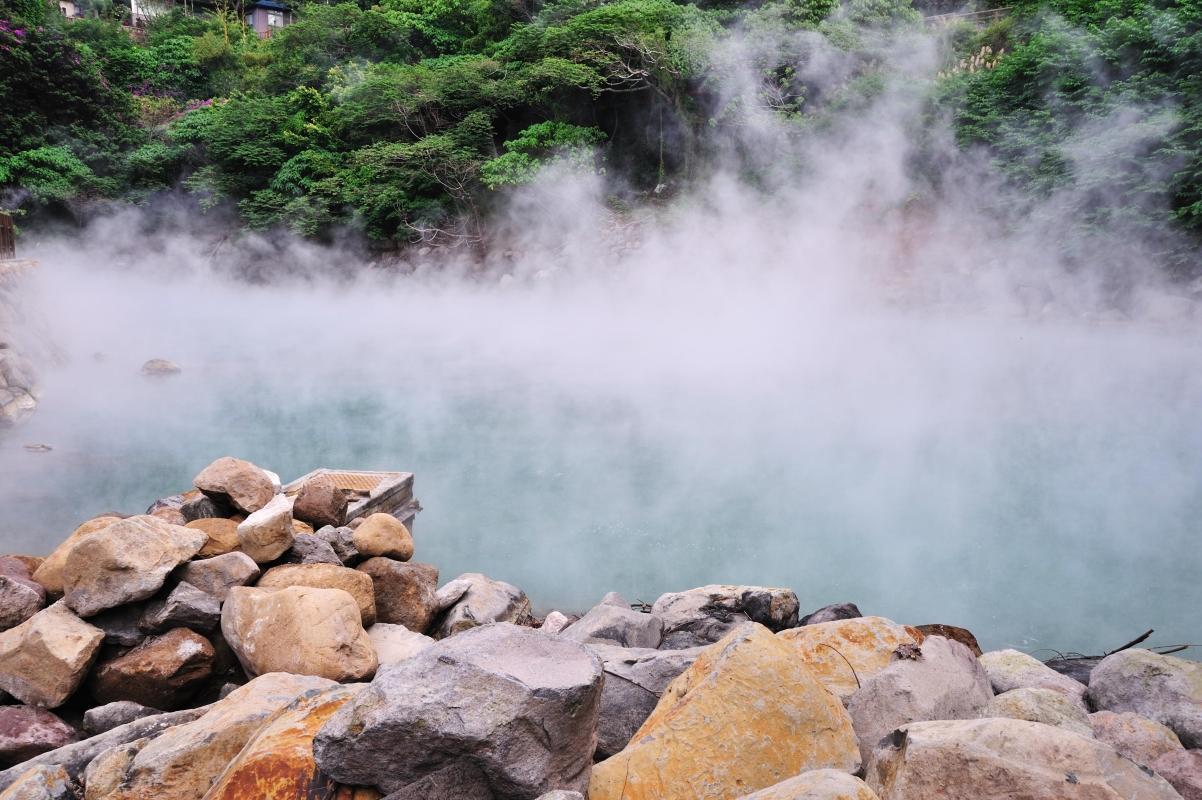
[[271, 4]]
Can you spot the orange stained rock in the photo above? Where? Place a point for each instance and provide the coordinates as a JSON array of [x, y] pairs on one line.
[[746, 715], [837, 652]]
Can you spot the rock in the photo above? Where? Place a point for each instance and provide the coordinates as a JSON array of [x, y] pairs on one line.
[[1183, 770], [1040, 705], [513, 708], [1005, 758], [404, 591], [199, 507], [704, 615], [232, 481], [74, 758], [481, 600], [217, 575], [122, 625], [832, 613], [308, 548], [560, 794], [951, 632], [1010, 669], [42, 783], [1132, 736], [160, 368], [634, 681], [342, 542], [26, 731], [1161, 688], [300, 630], [20, 595], [222, 533], [162, 672], [300, 528], [129, 560], [44, 659], [267, 533], [50, 573], [383, 535], [326, 576], [185, 607], [618, 624], [555, 622], [942, 680], [746, 715], [837, 652], [185, 760], [452, 592], [111, 715], [277, 763], [396, 643], [819, 784], [320, 502]]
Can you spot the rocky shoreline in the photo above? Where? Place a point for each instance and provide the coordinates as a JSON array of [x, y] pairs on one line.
[[238, 641]]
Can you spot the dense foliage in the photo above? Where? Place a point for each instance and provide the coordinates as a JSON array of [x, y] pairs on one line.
[[408, 118]]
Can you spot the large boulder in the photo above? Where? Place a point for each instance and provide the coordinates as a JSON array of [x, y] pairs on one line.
[[163, 672], [383, 535], [704, 615], [1005, 758], [102, 719], [320, 502], [1138, 738], [309, 548], [326, 576], [1040, 705], [42, 783], [341, 541], [831, 613], [615, 622], [267, 534], [217, 575], [122, 625], [20, 595], [818, 784], [404, 591], [478, 600], [942, 680], [635, 679], [222, 533], [26, 731], [185, 606], [127, 561], [844, 653], [1183, 770], [299, 629], [185, 760], [277, 763], [746, 715], [499, 709], [232, 481], [396, 643], [44, 659], [1161, 688], [1012, 669], [50, 573]]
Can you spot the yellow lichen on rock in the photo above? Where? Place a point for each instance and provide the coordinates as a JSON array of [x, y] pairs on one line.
[[837, 652], [746, 715]]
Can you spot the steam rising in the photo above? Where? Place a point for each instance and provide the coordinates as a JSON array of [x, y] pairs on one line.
[[942, 414]]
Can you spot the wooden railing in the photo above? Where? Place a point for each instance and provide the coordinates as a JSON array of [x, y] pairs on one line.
[[973, 17], [8, 238]]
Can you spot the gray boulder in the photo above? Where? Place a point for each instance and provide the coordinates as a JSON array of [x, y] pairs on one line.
[[831, 613], [309, 548], [478, 600], [184, 607], [555, 622], [635, 680], [342, 542], [616, 622], [205, 508], [1161, 688], [562, 795], [122, 625], [704, 615], [941, 681], [111, 715], [498, 709], [20, 595], [219, 574], [1012, 669]]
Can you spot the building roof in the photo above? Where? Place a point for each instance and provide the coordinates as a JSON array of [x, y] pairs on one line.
[[271, 5]]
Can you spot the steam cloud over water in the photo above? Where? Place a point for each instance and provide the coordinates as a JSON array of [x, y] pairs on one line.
[[919, 407]]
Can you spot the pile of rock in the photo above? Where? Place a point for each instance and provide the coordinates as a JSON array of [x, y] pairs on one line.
[[236, 642]]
